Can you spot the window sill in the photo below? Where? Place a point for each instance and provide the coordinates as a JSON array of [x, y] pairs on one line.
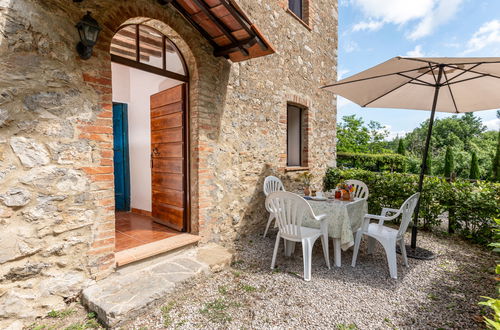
[[296, 168], [307, 26]]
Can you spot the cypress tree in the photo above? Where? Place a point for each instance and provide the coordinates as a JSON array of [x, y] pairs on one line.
[[449, 163], [474, 167], [401, 147], [496, 162], [428, 167]]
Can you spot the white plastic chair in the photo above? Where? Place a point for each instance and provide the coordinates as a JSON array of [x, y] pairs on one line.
[[289, 210], [271, 184], [388, 237], [361, 189]]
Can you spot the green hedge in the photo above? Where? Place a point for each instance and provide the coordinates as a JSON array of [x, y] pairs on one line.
[[372, 162], [473, 206]]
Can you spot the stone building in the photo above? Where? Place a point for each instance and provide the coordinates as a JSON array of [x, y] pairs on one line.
[[171, 117]]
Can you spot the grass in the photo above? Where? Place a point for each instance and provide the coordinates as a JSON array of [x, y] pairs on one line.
[[216, 311], [343, 326], [165, 312], [248, 288], [60, 314], [222, 289]]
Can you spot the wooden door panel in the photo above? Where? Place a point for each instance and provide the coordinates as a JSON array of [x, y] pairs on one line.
[[170, 150], [168, 157], [171, 216], [166, 109], [167, 121], [169, 196], [168, 96], [167, 135], [168, 181], [167, 165]]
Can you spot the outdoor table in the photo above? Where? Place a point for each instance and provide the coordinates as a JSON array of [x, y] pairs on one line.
[[344, 219]]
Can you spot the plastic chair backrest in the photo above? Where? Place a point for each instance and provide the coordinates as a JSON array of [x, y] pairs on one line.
[[406, 211], [361, 189], [272, 184], [290, 209]]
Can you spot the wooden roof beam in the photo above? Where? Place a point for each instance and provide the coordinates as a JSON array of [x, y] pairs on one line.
[[131, 46], [242, 22], [226, 50], [206, 10]]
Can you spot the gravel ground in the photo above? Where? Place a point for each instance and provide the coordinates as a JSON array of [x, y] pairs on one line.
[[442, 293]]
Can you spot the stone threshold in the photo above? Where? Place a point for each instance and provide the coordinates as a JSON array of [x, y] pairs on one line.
[[136, 288], [154, 248]]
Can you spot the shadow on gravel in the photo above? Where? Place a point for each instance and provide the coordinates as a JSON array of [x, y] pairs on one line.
[[441, 293]]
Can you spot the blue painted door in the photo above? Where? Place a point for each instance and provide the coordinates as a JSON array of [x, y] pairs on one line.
[[121, 157]]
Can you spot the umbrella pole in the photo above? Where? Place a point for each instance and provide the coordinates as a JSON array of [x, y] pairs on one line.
[[424, 159]]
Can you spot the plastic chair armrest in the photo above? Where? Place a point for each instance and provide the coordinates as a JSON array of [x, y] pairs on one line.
[[385, 210], [320, 217]]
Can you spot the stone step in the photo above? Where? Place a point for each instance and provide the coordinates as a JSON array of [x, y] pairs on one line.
[[154, 248], [130, 291]]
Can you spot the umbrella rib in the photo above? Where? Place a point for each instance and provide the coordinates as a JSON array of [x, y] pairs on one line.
[[451, 93], [374, 77], [473, 71], [437, 63], [420, 84], [392, 90], [421, 81], [432, 71], [467, 79], [464, 72]]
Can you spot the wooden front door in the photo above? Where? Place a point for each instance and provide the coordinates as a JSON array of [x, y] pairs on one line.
[[168, 157]]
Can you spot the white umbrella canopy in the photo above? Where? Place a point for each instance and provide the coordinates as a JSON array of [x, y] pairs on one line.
[[467, 84], [444, 84]]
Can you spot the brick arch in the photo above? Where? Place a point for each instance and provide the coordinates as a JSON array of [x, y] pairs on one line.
[[203, 69]]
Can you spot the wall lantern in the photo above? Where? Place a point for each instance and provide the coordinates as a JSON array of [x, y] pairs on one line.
[[88, 29]]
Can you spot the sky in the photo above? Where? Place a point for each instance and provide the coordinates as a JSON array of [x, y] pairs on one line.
[[373, 31]]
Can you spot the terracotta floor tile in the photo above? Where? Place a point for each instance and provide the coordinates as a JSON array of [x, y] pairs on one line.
[[133, 230]]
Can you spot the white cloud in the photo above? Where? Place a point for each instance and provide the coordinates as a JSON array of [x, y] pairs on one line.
[[341, 73], [428, 14], [342, 102], [416, 52], [394, 134], [442, 13], [368, 26], [487, 35], [493, 124], [351, 46]]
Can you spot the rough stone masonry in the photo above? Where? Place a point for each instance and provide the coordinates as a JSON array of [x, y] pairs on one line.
[[56, 153]]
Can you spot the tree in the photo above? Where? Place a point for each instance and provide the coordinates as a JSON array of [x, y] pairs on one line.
[[355, 136], [474, 167], [428, 164], [448, 163], [401, 147], [496, 160], [352, 135]]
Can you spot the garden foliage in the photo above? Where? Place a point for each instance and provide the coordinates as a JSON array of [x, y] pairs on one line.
[[474, 205], [372, 162]]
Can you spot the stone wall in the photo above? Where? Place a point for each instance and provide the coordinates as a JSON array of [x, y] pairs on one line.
[[56, 174]]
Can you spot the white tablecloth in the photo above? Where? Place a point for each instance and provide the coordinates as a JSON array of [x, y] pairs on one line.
[[343, 218]]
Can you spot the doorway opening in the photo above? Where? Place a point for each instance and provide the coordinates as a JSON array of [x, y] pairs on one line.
[[151, 139]]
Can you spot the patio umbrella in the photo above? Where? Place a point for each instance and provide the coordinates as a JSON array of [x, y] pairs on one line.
[[444, 84]]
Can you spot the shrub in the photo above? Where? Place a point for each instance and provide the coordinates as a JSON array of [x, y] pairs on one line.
[[372, 162], [475, 205]]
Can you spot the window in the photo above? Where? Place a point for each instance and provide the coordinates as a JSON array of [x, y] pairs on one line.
[[144, 48], [295, 7], [294, 135]]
